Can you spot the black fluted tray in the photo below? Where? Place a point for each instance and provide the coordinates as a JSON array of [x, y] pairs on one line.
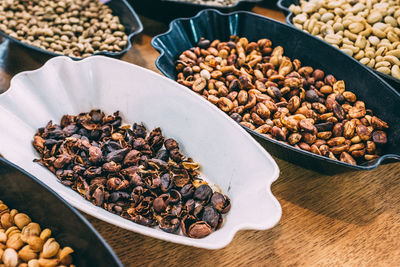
[[377, 94], [20, 190], [120, 8], [284, 5]]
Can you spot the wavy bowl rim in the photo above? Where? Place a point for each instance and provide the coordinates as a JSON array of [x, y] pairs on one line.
[[289, 16], [100, 53], [68, 196], [174, 24], [68, 206]]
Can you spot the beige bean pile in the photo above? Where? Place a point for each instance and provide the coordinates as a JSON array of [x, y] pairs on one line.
[[24, 244], [76, 28], [367, 30]]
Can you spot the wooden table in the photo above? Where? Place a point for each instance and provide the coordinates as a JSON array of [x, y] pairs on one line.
[[352, 219]]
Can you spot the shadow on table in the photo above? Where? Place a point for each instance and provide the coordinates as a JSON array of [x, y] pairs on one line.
[[14, 59], [134, 248], [353, 197], [142, 53]]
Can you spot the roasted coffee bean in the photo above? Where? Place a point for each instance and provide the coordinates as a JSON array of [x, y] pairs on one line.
[[337, 129], [324, 126], [363, 132], [345, 157], [278, 133], [349, 129], [312, 96], [236, 117], [336, 141], [340, 99], [379, 137], [338, 111], [378, 123], [203, 43], [294, 138], [371, 147], [262, 89], [307, 126], [139, 176]]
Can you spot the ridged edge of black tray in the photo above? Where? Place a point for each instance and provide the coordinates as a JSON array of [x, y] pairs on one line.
[[174, 26], [86, 223]]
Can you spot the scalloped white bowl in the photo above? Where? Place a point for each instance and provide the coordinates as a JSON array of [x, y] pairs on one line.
[[229, 156]]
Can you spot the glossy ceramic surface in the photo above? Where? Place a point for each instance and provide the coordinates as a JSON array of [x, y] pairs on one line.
[[229, 157]]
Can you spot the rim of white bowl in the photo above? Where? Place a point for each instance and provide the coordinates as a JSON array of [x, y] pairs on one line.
[[137, 228]]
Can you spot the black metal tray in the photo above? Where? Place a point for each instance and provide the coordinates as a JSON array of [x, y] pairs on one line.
[[166, 10], [285, 4], [20, 190], [377, 94], [127, 16]]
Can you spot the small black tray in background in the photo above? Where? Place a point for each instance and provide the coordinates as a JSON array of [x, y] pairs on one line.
[[284, 6], [311, 51], [166, 10], [120, 8], [20, 190]]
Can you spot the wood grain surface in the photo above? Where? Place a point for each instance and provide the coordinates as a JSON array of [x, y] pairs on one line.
[[351, 219]]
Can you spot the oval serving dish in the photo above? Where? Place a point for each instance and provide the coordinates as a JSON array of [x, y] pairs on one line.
[[377, 94], [171, 9], [285, 4], [20, 190], [228, 156], [121, 8]]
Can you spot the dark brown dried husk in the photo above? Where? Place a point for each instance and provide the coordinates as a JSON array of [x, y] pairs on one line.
[[143, 178]]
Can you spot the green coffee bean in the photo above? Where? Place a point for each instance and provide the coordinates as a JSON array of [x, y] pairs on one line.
[[58, 25], [367, 30]]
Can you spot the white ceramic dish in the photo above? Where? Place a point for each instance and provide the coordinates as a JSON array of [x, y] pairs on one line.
[[228, 155]]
